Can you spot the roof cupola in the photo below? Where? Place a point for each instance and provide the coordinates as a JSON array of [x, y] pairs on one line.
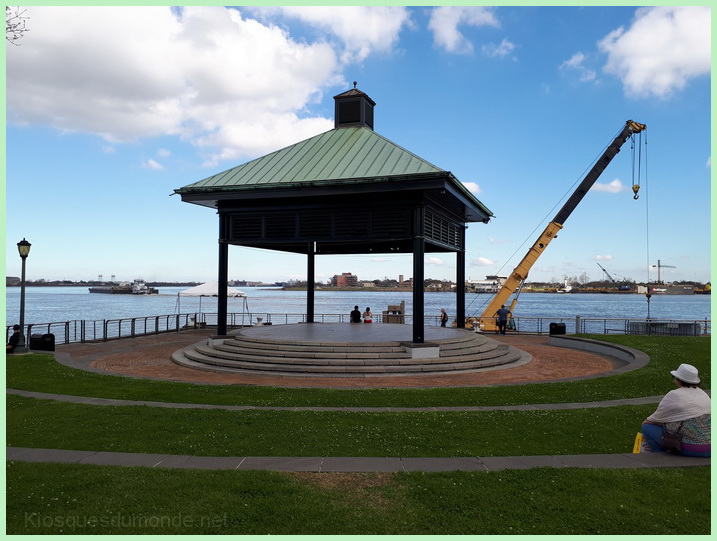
[[353, 108]]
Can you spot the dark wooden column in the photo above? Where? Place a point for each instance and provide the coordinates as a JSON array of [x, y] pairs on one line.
[[461, 282], [223, 276], [419, 250], [310, 282]]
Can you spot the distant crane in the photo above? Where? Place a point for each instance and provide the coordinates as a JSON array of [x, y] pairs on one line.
[[621, 287], [661, 266], [606, 273]]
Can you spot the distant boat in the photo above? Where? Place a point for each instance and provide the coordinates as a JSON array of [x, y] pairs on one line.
[[138, 287], [567, 289], [491, 284]]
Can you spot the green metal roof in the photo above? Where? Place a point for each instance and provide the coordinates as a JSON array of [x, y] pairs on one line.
[[345, 155], [336, 155]]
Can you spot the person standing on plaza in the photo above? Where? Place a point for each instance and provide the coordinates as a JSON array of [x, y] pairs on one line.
[[502, 314], [444, 317]]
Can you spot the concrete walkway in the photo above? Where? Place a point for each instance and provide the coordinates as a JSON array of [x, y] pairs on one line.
[[354, 464], [386, 409]]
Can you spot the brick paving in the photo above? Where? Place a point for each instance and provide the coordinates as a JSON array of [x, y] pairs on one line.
[[150, 357]]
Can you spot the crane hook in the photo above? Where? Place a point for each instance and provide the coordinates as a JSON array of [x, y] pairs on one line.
[[635, 189]]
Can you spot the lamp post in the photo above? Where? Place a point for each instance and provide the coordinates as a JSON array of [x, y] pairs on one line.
[[23, 247]]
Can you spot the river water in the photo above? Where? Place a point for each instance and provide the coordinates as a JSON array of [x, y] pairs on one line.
[[56, 304]]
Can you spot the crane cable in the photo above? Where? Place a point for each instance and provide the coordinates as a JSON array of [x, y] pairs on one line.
[[647, 217], [636, 185]]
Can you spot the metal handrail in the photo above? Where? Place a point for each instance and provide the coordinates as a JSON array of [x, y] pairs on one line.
[[81, 331]]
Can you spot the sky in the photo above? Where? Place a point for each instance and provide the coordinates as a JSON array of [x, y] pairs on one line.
[[110, 109]]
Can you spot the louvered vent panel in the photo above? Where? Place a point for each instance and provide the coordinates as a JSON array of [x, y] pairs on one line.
[[280, 226], [442, 230], [391, 223], [351, 225], [246, 227], [349, 112], [315, 224]]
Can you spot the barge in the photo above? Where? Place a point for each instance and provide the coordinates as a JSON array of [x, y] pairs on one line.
[[138, 287]]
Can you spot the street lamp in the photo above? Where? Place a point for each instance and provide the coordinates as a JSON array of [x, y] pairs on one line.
[[23, 247]]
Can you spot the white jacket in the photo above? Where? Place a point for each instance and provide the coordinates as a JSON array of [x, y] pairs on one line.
[[681, 404]]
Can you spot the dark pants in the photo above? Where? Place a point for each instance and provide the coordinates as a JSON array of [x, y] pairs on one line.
[[502, 324]]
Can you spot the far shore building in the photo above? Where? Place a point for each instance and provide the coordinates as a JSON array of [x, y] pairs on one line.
[[345, 191], [345, 279]]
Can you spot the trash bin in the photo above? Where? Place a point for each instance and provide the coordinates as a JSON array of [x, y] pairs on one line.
[[42, 342], [557, 328], [395, 313]]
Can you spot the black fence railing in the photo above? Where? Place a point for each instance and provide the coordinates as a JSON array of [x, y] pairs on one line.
[[78, 331]]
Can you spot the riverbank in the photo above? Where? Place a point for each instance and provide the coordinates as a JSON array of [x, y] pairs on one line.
[[574, 291]]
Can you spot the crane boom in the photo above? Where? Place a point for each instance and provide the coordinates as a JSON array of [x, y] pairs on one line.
[[606, 273], [520, 273]]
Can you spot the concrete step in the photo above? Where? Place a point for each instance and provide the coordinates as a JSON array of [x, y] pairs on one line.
[[294, 356], [279, 342], [356, 359], [279, 350], [273, 370], [201, 356]]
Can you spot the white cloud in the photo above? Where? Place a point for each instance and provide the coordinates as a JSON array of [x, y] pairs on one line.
[[362, 30], [436, 262], [149, 72], [164, 153], [504, 48], [481, 262], [603, 258], [493, 240], [663, 49], [472, 187], [153, 165], [445, 21], [576, 64], [614, 186]]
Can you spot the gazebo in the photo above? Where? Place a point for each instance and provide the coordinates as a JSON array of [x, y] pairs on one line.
[[346, 191]]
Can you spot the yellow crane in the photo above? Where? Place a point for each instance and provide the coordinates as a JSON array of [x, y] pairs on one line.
[[515, 281]]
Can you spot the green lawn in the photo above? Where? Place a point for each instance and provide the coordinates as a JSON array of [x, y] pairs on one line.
[[77, 500], [309, 433]]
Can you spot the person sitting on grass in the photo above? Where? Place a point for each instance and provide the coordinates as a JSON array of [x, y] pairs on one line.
[[684, 411]]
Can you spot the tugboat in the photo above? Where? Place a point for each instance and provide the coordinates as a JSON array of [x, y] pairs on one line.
[[138, 287]]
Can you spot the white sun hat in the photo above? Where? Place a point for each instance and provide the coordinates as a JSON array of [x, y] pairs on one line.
[[686, 373]]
